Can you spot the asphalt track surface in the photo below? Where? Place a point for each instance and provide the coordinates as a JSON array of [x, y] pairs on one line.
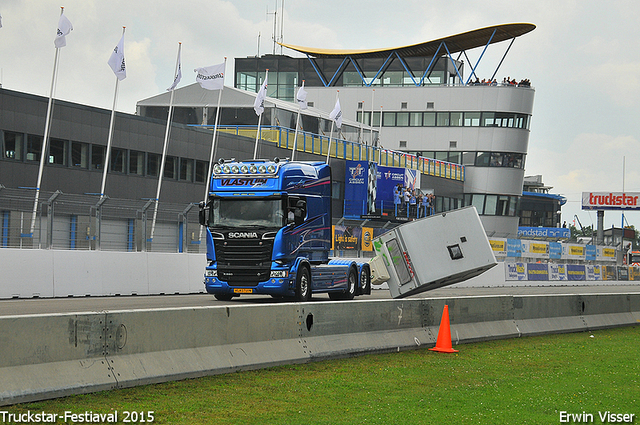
[[28, 306]]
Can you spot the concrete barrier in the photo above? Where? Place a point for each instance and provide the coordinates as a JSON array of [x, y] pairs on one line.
[[47, 356], [64, 273]]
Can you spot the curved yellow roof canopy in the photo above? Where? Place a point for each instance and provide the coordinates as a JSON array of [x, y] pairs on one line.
[[455, 43]]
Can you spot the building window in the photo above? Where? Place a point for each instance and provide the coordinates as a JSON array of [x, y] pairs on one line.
[[34, 147], [170, 165], [97, 157], [472, 119], [117, 160], [415, 119], [388, 119], [402, 119], [429, 119], [79, 155], [443, 119], [186, 169], [403, 144], [13, 145], [201, 171], [469, 158], [488, 119], [58, 152], [136, 163], [455, 119], [488, 204], [153, 164]]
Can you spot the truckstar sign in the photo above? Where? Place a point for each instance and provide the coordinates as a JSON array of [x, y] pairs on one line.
[[610, 200]]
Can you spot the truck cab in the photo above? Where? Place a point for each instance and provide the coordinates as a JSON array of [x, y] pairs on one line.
[[268, 227]]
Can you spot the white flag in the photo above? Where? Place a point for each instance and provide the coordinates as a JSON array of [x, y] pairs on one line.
[[211, 77], [258, 105], [64, 28], [178, 77], [336, 114], [301, 97], [116, 61]]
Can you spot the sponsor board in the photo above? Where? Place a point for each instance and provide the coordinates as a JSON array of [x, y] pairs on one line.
[[610, 200]]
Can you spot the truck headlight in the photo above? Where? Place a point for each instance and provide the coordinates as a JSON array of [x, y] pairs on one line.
[[211, 273], [278, 273]]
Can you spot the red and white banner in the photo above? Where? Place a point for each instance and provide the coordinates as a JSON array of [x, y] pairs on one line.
[[610, 200]]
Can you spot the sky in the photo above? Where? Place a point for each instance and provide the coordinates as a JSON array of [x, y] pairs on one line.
[[583, 60]]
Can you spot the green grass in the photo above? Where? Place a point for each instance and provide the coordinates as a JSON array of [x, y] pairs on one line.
[[517, 381]]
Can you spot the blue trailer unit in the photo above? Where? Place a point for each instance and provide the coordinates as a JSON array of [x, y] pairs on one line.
[[269, 232]]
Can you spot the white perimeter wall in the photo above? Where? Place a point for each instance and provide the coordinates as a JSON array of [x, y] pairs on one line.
[[28, 273]]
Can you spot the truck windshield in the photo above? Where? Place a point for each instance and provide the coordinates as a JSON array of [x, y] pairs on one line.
[[246, 213]]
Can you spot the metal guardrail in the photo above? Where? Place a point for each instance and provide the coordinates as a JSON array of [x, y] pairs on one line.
[[343, 149], [82, 222]]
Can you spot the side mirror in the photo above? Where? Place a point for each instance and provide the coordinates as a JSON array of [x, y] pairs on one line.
[[202, 214]]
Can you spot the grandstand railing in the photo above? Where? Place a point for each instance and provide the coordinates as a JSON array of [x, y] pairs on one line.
[[348, 150]]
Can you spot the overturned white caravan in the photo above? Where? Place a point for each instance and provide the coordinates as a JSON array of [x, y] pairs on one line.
[[432, 252]]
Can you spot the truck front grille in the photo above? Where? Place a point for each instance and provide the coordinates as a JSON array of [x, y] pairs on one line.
[[243, 262]]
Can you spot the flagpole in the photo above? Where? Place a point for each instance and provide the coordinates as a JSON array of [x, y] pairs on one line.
[[213, 148], [110, 138], [379, 130], [255, 149], [164, 148], [330, 137], [331, 134], [373, 92], [44, 140], [362, 126], [295, 136]]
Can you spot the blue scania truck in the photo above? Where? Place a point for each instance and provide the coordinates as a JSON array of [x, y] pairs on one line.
[[268, 231]]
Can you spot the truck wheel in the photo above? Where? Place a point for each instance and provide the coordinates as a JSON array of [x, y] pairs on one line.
[[303, 285], [365, 281], [223, 297], [353, 285]]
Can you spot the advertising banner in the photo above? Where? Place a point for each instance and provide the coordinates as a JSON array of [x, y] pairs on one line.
[[538, 271], [515, 271], [346, 237], [609, 272], [634, 273], [388, 179], [557, 271], [355, 188], [514, 248], [590, 253], [623, 273], [573, 252], [576, 272], [367, 239], [593, 272], [544, 232], [555, 250], [499, 247], [538, 249], [610, 200], [606, 254]]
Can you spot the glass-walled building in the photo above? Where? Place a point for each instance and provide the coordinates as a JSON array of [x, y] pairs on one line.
[[427, 102]]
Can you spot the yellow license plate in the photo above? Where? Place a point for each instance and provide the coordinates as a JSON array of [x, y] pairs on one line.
[[243, 291]]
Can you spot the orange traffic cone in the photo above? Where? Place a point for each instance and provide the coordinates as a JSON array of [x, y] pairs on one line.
[[443, 344]]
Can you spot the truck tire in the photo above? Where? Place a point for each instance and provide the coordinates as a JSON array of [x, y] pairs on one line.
[[303, 285], [352, 287], [365, 281], [352, 284]]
